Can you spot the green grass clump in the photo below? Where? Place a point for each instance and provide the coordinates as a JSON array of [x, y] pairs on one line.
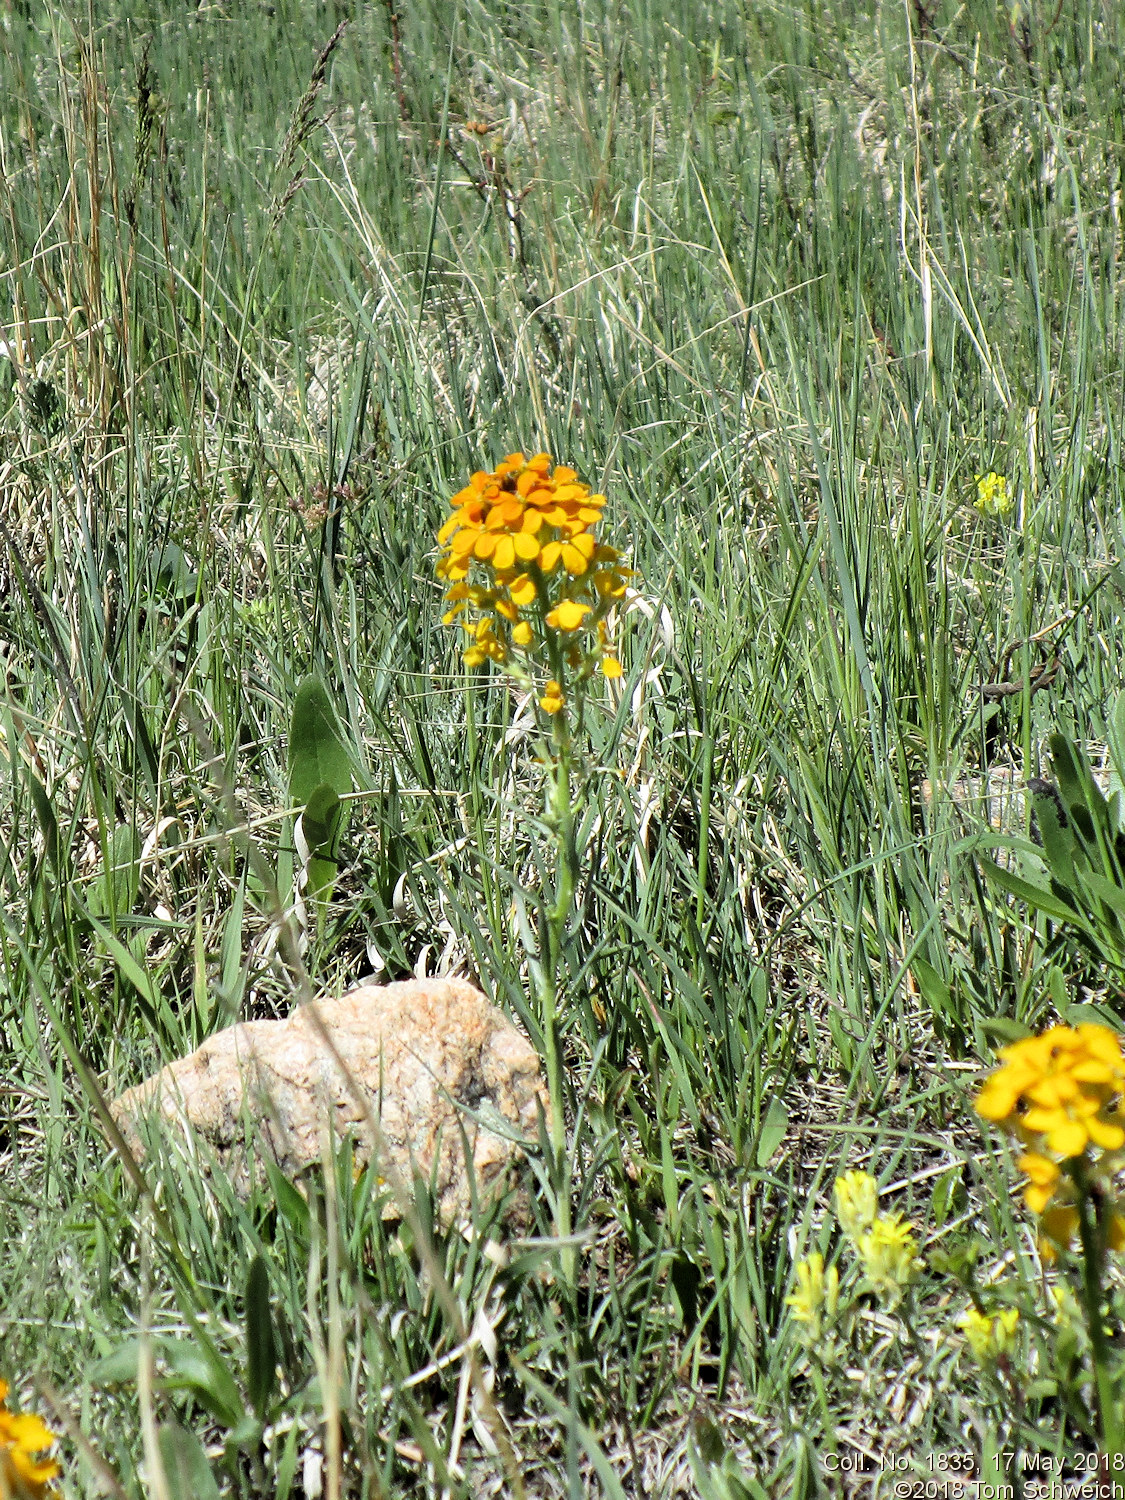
[[785, 283]]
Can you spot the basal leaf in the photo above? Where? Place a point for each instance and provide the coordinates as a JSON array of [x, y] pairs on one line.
[[317, 752]]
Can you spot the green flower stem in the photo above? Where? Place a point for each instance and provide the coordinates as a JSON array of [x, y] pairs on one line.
[[1093, 1265], [560, 818]]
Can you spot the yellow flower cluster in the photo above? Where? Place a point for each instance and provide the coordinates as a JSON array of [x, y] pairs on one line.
[[857, 1203], [889, 1253], [991, 1336], [22, 1476], [994, 498], [1061, 1094], [816, 1298], [528, 529], [884, 1243]]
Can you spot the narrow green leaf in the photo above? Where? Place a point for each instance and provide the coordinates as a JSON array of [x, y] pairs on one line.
[[118, 1368], [772, 1133], [949, 1197], [115, 890], [46, 815], [1078, 789], [129, 966], [290, 1203], [1036, 896], [1107, 891], [287, 1466], [261, 1346], [1098, 1015], [933, 987], [322, 877], [1058, 841], [1004, 1029]]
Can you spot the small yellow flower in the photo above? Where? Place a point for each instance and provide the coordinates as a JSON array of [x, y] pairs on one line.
[[567, 615], [857, 1203], [991, 1336], [22, 1476], [1066, 1312], [1043, 1179], [889, 1253], [815, 1301], [552, 700], [1058, 1229], [522, 590], [993, 495]]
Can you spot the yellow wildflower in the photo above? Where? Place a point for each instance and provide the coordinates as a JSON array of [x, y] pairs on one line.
[[857, 1203], [1058, 1229], [1064, 1086], [552, 700], [993, 495], [991, 1336], [1043, 1180], [568, 615], [889, 1253], [1058, 1226], [527, 529], [609, 665], [1061, 1094], [815, 1300], [1066, 1313], [22, 1475]]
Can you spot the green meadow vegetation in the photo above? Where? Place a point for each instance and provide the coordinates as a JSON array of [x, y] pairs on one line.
[[828, 299]]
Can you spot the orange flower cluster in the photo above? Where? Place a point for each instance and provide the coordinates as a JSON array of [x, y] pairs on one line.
[[21, 1438], [1063, 1095], [528, 528]]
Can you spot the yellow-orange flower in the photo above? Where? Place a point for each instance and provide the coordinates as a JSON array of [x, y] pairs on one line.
[[22, 1475], [1064, 1086], [857, 1203], [568, 615], [817, 1296], [523, 512], [889, 1253], [552, 700], [527, 530], [1061, 1094], [1043, 1179]]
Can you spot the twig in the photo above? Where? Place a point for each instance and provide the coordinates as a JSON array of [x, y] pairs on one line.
[[1041, 678]]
